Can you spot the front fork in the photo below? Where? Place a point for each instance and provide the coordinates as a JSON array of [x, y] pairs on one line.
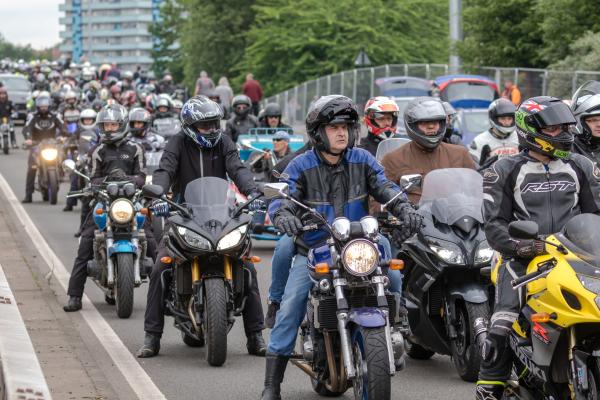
[[110, 266]]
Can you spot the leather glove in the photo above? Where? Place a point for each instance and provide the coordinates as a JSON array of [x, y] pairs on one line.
[[288, 223], [410, 219], [530, 248], [117, 174], [160, 208], [400, 235]]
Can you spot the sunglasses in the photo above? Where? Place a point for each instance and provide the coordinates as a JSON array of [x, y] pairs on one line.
[[278, 140]]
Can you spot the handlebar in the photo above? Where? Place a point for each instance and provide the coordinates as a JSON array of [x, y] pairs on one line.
[[542, 271], [311, 227]]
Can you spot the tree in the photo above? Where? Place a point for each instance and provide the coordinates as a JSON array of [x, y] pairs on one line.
[[166, 52], [301, 40], [15, 52]]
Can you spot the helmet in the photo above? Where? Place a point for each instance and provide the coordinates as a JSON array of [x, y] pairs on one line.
[[239, 100], [586, 103], [97, 105], [501, 108], [423, 109], [71, 115], [54, 75], [113, 113], [150, 88], [88, 113], [115, 91], [200, 109], [163, 102], [43, 100], [328, 110], [70, 95], [139, 114], [67, 73], [177, 104], [376, 107], [40, 77], [167, 78], [449, 109], [87, 74], [541, 112], [272, 110], [127, 75]]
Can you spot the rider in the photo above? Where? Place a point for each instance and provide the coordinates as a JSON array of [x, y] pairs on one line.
[[115, 157], [501, 139], [281, 148], [41, 125], [452, 135], [69, 103], [270, 117], [587, 111], [163, 108], [242, 121], [321, 176], [381, 118], [200, 150], [6, 111], [544, 183], [139, 124]]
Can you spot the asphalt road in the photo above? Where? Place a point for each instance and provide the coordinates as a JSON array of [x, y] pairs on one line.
[[181, 372]]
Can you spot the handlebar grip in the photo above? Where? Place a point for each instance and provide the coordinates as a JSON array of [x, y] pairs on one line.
[[311, 227]]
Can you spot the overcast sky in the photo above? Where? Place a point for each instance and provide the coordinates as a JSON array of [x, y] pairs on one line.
[[32, 22]]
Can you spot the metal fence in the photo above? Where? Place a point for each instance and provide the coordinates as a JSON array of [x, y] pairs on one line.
[[359, 84]]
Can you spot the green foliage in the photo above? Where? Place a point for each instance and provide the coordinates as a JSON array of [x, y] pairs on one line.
[[304, 39], [166, 54], [15, 52]]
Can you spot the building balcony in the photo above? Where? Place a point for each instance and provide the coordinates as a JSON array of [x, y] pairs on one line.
[[87, 33], [146, 4], [116, 47]]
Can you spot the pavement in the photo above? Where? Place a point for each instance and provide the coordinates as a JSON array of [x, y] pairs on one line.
[[80, 360]]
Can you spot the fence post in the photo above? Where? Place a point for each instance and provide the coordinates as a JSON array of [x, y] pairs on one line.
[[405, 69], [286, 98], [545, 83], [296, 103], [329, 84], [372, 82], [516, 77], [342, 83], [387, 70], [318, 83], [427, 71], [354, 86], [304, 103], [574, 82]]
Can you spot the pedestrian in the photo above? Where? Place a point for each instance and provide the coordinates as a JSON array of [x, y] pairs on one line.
[[225, 93], [203, 84], [252, 89], [512, 92]]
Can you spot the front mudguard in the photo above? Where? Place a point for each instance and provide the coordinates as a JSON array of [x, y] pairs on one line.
[[367, 317], [122, 246], [472, 292]]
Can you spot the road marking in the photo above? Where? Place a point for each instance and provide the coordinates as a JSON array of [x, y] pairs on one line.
[[138, 379], [21, 370]]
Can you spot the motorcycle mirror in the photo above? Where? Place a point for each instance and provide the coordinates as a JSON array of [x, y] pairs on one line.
[[69, 164], [523, 229], [275, 190], [411, 181], [152, 191]]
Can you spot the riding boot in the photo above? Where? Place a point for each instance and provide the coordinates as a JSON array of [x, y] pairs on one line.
[[151, 346], [489, 390], [256, 344], [274, 376], [74, 304]]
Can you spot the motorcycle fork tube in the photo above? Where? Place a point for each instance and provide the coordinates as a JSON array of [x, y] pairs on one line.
[[342, 316], [195, 270], [572, 344], [227, 268], [388, 333], [110, 267], [137, 279]]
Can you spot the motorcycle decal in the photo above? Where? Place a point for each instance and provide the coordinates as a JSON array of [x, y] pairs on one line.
[[124, 157], [522, 356], [545, 187], [490, 175], [541, 333], [483, 393], [533, 106]]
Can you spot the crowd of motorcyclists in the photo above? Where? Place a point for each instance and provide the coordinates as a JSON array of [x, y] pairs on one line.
[[538, 162]]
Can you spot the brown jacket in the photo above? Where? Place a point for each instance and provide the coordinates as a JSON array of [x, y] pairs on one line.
[[412, 159]]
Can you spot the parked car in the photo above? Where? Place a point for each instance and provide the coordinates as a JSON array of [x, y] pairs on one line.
[[471, 122], [19, 90], [466, 91], [403, 86]]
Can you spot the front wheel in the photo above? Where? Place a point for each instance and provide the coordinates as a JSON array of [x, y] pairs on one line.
[[372, 364], [215, 321], [125, 284], [53, 186], [5, 147], [466, 354]]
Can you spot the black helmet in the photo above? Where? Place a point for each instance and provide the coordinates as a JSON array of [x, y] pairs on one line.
[[586, 103], [272, 110], [423, 109], [238, 100], [139, 114], [202, 110], [113, 113], [541, 112], [501, 108], [330, 110]]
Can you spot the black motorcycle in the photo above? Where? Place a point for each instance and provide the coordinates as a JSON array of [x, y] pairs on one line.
[[48, 165], [208, 239], [446, 293], [347, 336]]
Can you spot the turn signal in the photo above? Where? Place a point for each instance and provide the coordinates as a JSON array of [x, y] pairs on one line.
[[541, 317], [144, 211], [99, 211], [253, 259], [166, 260], [396, 264], [322, 268]]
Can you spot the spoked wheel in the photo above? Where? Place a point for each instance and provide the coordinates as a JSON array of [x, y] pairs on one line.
[[465, 350], [371, 361]]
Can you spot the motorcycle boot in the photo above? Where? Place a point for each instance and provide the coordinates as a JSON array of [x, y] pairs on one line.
[[151, 346], [27, 199], [489, 390], [256, 344], [274, 372], [271, 314], [74, 304]]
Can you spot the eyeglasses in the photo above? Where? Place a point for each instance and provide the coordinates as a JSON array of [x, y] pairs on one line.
[[278, 140]]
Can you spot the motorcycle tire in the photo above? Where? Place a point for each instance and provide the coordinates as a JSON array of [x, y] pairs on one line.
[[321, 390], [52, 186], [5, 145], [192, 342], [124, 284], [372, 364], [417, 352], [466, 354], [158, 225], [215, 321]]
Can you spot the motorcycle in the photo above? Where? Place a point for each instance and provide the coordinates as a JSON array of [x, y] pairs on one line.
[[120, 263], [208, 239], [5, 129], [445, 291], [47, 162], [166, 127], [556, 338], [347, 338]]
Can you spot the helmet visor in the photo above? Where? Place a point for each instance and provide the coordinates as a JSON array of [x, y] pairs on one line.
[[556, 114]]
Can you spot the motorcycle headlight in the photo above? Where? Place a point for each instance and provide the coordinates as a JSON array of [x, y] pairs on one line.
[[49, 154], [233, 238], [121, 211], [484, 253], [193, 239], [360, 257], [446, 251]]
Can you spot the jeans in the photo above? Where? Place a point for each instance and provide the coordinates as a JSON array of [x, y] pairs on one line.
[[285, 249]]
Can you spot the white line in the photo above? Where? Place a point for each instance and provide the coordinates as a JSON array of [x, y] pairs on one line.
[[20, 365], [138, 379]]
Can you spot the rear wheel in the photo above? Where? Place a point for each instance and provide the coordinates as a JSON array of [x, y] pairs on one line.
[[466, 354], [53, 186], [125, 284], [372, 364], [215, 321]]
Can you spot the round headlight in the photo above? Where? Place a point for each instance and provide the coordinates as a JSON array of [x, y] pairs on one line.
[[49, 154], [360, 257], [121, 211]]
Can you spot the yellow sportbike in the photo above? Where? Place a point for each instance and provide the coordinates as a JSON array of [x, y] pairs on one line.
[[556, 338]]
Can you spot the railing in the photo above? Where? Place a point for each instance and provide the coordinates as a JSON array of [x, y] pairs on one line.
[[359, 84]]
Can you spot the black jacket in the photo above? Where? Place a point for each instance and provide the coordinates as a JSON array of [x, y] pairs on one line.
[[125, 155], [40, 127], [6, 109], [184, 161], [522, 188], [240, 126], [370, 143], [587, 148], [283, 163]]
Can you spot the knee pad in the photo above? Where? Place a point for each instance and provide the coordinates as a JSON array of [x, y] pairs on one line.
[[495, 346]]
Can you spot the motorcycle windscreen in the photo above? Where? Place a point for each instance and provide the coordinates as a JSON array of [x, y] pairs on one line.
[[450, 194], [583, 231], [167, 127], [389, 145], [210, 198]]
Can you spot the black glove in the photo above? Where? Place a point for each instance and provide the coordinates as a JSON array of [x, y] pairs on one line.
[[530, 248], [406, 213], [117, 174], [288, 223]]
